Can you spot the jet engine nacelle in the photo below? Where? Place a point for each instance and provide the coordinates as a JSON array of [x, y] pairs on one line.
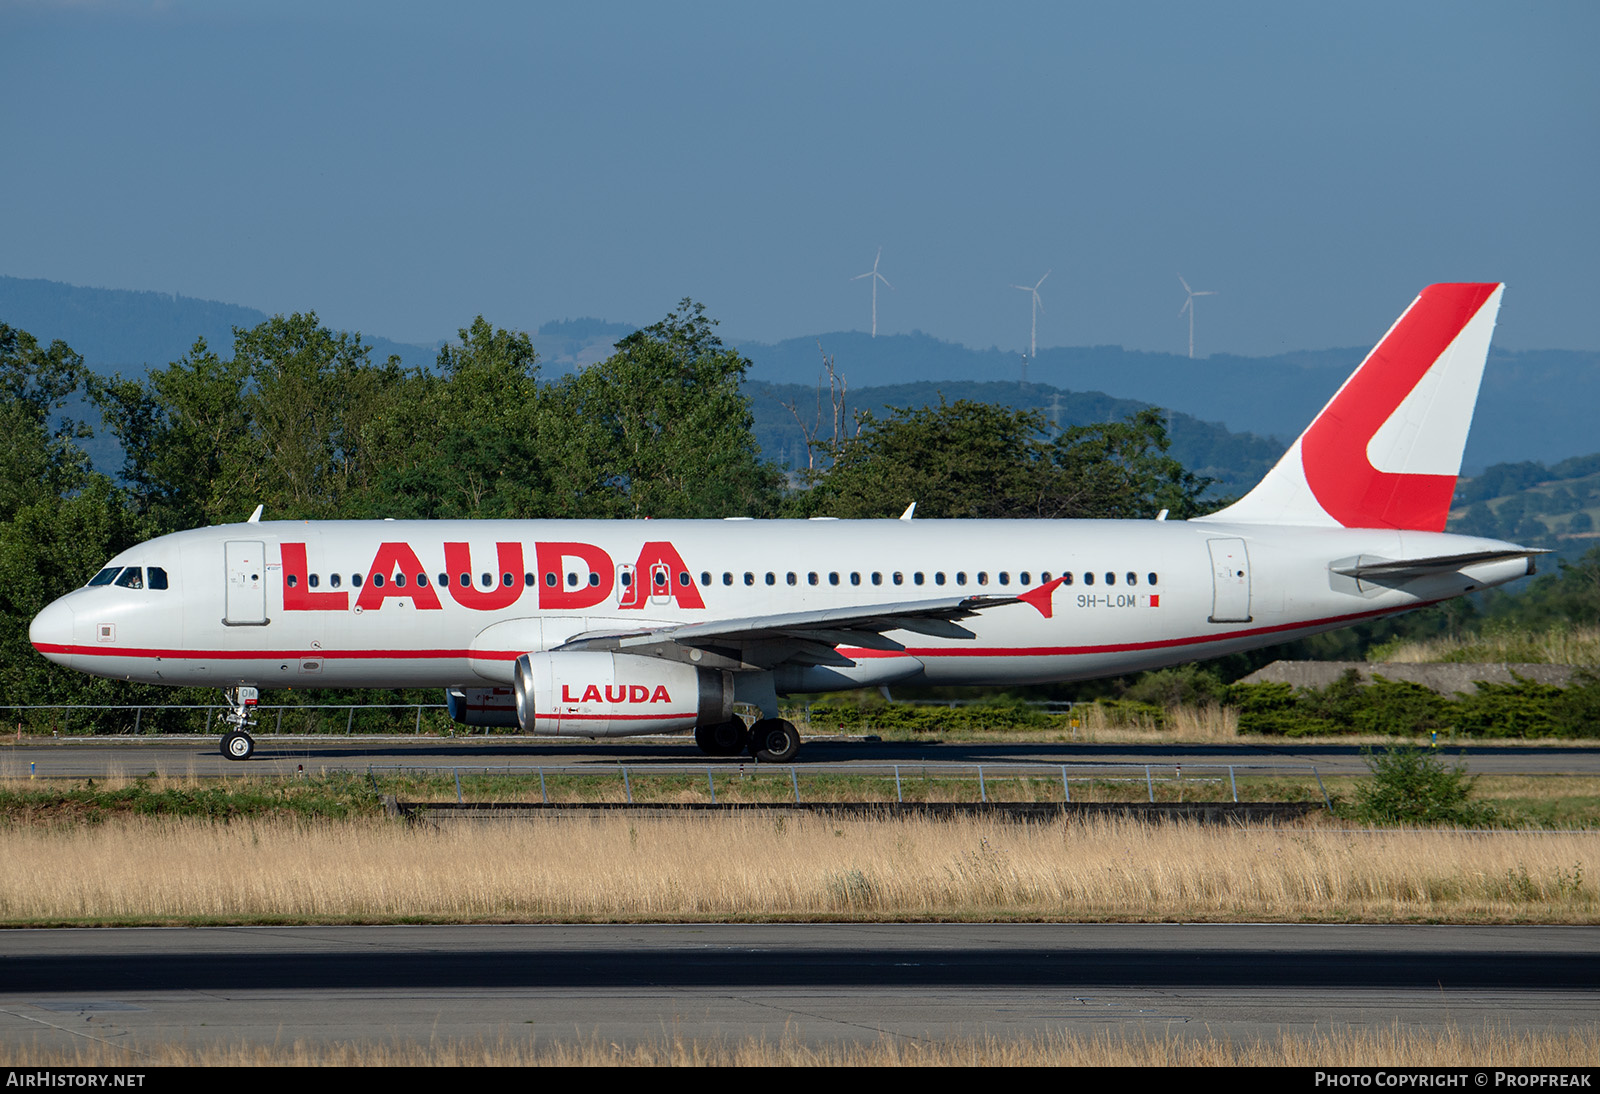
[[584, 693], [481, 706]]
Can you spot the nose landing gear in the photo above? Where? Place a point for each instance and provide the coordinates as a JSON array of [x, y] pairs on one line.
[[237, 744]]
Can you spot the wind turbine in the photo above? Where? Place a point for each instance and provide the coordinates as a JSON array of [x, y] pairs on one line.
[[1033, 337], [876, 277], [1188, 306]]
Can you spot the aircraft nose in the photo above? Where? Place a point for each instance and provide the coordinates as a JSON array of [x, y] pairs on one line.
[[51, 632]]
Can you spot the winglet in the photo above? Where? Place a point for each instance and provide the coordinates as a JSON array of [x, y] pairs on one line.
[[912, 508], [255, 518]]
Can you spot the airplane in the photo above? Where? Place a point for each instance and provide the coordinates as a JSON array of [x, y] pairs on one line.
[[618, 628]]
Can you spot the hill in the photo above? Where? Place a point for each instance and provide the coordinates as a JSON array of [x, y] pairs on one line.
[[1554, 507], [1534, 405], [119, 329], [1235, 460]]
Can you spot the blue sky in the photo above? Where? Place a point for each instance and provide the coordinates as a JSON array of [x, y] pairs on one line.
[[400, 168]]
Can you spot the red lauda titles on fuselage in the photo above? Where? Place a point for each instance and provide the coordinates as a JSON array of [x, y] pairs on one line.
[[617, 694], [396, 571]]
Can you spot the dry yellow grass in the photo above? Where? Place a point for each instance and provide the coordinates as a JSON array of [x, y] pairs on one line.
[[1395, 1046], [1557, 646], [612, 868]]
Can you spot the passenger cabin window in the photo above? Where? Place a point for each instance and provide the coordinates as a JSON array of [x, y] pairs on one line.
[[811, 578], [1088, 579], [772, 578], [938, 577], [377, 580], [333, 579], [961, 577], [749, 578], [293, 581], [1151, 578], [917, 577], [833, 579], [899, 578], [355, 581], [855, 578], [1066, 578], [983, 577], [311, 579], [1133, 578], [1005, 578], [877, 577], [1111, 578]]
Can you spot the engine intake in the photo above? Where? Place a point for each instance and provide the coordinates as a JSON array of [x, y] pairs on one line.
[[584, 693]]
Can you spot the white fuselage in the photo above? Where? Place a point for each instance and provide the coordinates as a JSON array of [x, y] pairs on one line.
[[322, 604]]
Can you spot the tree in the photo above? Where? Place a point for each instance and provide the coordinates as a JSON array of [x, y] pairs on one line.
[[181, 430], [659, 429], [59, 519], [969, 459], [463, 441], [37, 464]]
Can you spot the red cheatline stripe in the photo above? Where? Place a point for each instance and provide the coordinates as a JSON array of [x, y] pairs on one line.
[[614, 717], [1124, 647], [941, 651]]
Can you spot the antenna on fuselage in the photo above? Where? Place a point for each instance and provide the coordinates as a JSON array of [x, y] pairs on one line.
[[255, 518]]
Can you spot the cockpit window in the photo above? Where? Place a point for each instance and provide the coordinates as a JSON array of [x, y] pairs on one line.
[[132, 578], [157, 577], [104, 576]]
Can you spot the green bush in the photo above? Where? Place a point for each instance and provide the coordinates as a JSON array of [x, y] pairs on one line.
[[1414, 786], [1524, 709]]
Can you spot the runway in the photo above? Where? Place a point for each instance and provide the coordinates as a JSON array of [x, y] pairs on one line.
[[81, 757], [820, 983]]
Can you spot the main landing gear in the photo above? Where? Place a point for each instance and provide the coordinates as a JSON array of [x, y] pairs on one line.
[[237, 744], [769, 741]]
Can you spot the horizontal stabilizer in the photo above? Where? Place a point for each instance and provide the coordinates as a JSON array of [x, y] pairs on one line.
[[1366, 566]]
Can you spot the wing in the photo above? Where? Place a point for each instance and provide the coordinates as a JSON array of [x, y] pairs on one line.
[[794, 638]]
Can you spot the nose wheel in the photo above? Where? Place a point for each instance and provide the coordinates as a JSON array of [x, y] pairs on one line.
[[237, 744]]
